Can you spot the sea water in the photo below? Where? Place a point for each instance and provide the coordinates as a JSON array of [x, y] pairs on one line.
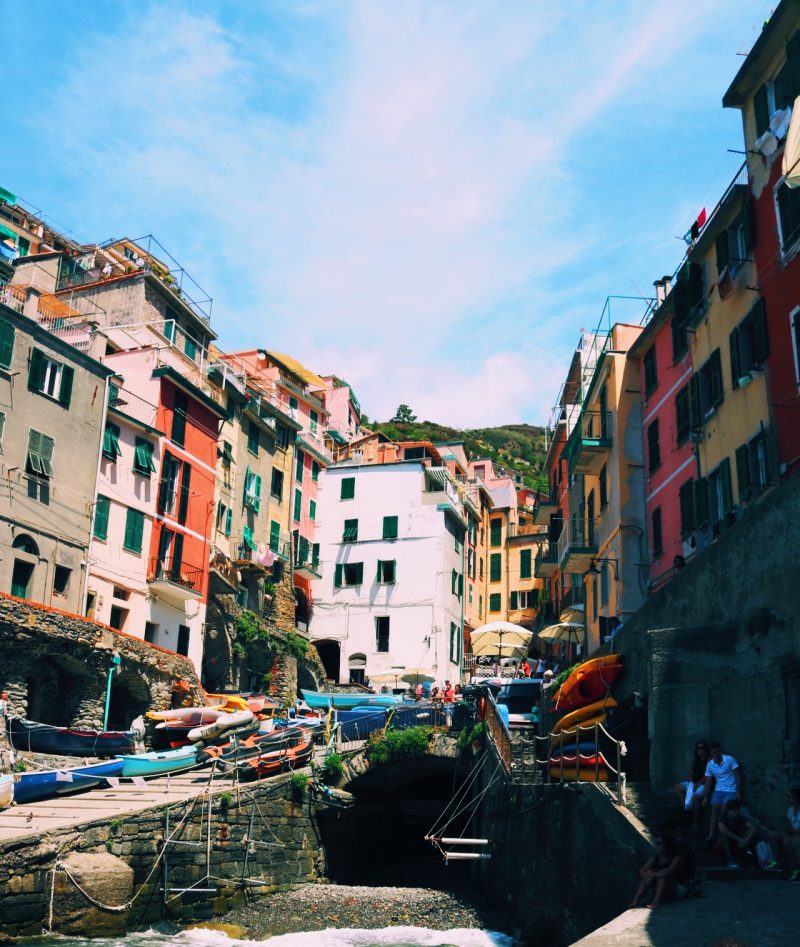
[[345, 937]]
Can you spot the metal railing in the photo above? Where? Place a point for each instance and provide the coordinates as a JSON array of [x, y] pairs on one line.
[[580, 537], [132, 406], [546, 554], [315, 444], [181, 573], [12, 296]]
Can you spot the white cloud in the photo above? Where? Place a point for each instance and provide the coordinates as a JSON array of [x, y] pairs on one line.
[[395, 214]]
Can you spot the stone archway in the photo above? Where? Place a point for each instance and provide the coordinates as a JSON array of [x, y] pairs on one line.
[[130, 697], [55, 691]]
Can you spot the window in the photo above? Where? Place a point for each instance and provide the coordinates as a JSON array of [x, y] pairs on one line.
[[650, 371], [386, 571], [480, 570], [414, 453], [525, 564], [603, 478], [480, 606], [50, 378], [658, 539], [314, 471], [101, 510], [496, 532], [382, 634], [495, 602], [732, 246], [184, 633], [276, 487], [111, 448], [252, 438], [61, 580], [314, 420], [708, 385], [300, 457], [224, 518], [350, 532], [653, 448], [749, 343], [298, 505], [252, 490], [779, 92], [274, 536], [689, 297], [134, 530], [294, 404], [312, 509], [283, 436], [40, 454], [683, 414], [720, 494], [150, 632], [753, 467], [348, 574], [143, 457], [225, 453], [7, 333], [527, 599], [454, 582], [179, 411], [495, 567], [169, 484], [118, 617], [348, 489], [390, 527]]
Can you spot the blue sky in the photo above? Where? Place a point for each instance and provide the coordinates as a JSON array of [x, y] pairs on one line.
[[430, 199]]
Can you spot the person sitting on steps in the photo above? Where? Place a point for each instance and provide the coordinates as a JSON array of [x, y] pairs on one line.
[[661, 874], [723, 773], [691, 791], [736, 828]]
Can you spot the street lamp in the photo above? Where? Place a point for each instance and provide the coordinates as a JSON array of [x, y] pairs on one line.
[[116, 661], [593, 570]]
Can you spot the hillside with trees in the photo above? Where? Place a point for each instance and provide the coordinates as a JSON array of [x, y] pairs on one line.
[[513, 447]]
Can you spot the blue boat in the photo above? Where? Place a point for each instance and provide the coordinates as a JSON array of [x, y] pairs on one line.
[[341, 700], [46, 783], [165, 761]]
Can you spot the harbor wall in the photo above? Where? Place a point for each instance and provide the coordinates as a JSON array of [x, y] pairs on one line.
[[261, 840], [564, 859]]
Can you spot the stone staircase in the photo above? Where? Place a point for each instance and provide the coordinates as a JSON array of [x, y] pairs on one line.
[[654, 809]]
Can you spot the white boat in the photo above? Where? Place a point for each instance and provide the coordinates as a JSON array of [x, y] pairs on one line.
[[193, 715], [225, 722], [6, 791]]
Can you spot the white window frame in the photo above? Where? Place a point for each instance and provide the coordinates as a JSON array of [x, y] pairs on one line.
[[51, 382]]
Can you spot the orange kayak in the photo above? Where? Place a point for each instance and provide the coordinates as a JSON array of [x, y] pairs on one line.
[[587, 684]]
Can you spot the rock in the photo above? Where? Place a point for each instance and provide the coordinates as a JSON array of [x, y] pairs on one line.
[[107, 880]]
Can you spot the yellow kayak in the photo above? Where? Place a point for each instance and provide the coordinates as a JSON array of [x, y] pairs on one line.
[[582, 715], [228, 703]]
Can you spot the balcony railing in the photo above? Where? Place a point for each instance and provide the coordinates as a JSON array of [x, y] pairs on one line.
[[179, 573], [12, 296], [523, 529], [546, 561], [577, 546], [544, 507], [313, 442], [310, 566], [132, 406], [589, 442]]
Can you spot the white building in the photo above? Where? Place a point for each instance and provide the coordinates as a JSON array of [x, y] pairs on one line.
[[391, 596]]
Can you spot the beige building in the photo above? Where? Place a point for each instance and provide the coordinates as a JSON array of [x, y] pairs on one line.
[[52, 416]]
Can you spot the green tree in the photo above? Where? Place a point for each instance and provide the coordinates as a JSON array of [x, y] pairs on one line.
[[403, 415]]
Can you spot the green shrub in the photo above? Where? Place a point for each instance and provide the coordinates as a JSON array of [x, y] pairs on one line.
[[471, 734], [559, 679], [299, 784], [332, 768], [399, 744]]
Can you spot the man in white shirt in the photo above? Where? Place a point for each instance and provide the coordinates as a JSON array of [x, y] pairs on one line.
[[727, 779]]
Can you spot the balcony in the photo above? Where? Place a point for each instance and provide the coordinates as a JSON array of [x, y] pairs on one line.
[[246, 558], [132, 407], [590, 442], [523, 530], [546, 561], [174, 582], [312, 442], [308, 567], [577, 546], [544, 507]]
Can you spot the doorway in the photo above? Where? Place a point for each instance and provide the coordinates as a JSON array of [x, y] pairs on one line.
[[21, 578]]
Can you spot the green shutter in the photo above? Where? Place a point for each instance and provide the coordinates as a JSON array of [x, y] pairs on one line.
[[143, 457], [686, 498], [257, 494], [525, 564], [274, 536], [743, 473], [300, 458], [359, 573], [701, 502], [348, 488], [723, 256], [758, 317], [761, 106], [163, 486], [247, 534], [350, 532], [495, 567], [37, 370], [514, 601], [183, 505], [252, 438], [298, 504], [312, 509], [7, 332], [460, 586], [314, 471], [496, 532], [390, 527], [337, 577], [101, 517], [494, 603], [727, 492], [134, 530], [179, 408], [65, 392], [736, 369], [111, 448], [228, 521]]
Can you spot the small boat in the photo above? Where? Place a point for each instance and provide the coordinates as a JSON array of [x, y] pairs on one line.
[[35, 737], [6, 791], [229, 703], [46, 783], [210, 731], [258, 744], [582, 714], [589, 682], [193, 715], [277, 761], [166, 761], [174, 734], [323, 700]]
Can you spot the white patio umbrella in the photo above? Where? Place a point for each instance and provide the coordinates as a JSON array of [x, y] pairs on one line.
[[562, 631], [418, 676], [501, 638]]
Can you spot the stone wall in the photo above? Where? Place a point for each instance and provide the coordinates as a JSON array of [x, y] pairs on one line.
[[264, 833], [564, 859], [55, 668], [715, 654]]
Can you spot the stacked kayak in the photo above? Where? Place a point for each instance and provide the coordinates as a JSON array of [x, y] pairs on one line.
[[235, 751], [589, 682], [587, 765], [278, 761]]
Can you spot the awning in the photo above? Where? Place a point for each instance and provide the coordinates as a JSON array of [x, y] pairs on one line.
[[8, 232], [7, 196], [791, 152], [248, 537]]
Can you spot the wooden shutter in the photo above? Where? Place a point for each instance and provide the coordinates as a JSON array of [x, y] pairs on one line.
[[494, 567], [736, 367], [758, 317], [228, 521], [686, 498], [793, 65], [163, 486], [723, 254], [359, 572], [101, 517], [179, 407], [727, 492], [716, 377], [177, 554], [700, 502], [37, 370], [183, 505], [525, 564], [274, 536], [460, 592], [348, 488], [257, 494], [298, 504], [390, 527], [7, 332], [761, 106], [337, 576], [134, 530], [300, 459], [514, 602], [65, 391], [743, 473]]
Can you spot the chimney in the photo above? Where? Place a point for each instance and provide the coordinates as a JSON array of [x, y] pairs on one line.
[[667, 281], [660, 292]]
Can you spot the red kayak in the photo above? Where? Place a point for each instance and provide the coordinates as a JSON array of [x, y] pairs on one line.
[[277, 761], [585, 687]]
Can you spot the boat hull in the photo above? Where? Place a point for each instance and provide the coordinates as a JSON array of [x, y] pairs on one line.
[[32, 737], [321, 700], [6, 791], [152, 764], [45, 784]]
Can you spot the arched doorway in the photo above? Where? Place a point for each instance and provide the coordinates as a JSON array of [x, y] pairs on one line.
[[357, 664], [130, 697], [330, 653], [25, 560]]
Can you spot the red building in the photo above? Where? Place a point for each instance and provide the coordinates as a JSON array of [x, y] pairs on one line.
[[764, 90]]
